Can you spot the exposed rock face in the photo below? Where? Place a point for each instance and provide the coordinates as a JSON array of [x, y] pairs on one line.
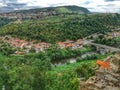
[[105, 79]]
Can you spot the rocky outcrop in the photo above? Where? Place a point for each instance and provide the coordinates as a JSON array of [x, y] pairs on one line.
[[105, 79]]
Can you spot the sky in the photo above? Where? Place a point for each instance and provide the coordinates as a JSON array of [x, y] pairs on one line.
[[92, 5]]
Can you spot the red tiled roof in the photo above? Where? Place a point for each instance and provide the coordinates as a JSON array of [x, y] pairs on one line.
[[69, 45], [61, 43]]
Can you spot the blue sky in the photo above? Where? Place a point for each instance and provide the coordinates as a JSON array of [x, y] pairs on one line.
[[92, 5]]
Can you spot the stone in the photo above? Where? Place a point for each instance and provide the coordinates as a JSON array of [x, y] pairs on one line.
[[105, 79], [111, 78], [111, 88]]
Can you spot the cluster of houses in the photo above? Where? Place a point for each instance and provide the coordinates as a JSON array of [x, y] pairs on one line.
[[71, 44], [36, 15], [24, 46]]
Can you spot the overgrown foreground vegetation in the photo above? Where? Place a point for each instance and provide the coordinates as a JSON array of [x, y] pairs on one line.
[[35, 72]]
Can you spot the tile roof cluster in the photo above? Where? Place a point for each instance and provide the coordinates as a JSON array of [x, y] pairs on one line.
[[70, 44], [26, 45], [40, 46]]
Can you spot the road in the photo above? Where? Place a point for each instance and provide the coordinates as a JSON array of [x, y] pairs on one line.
[[102, 46]]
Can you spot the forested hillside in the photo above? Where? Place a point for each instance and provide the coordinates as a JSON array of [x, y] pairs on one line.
[[4, 21], [60, 28]]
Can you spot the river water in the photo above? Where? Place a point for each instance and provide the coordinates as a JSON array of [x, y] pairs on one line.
[[71, 60]]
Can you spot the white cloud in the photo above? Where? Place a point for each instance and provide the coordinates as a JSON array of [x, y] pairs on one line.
[[2, 5], [46, 3], [93, 5], [102, 6], [96, 5]]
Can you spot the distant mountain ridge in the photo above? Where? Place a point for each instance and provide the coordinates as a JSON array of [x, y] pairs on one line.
[[43, 12]]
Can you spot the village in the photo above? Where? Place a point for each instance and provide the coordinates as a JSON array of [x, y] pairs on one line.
[[24, 47]]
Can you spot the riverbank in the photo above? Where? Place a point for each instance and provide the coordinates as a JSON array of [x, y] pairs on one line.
[[73, 66]]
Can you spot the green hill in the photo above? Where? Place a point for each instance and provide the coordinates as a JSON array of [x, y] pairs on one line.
[[58, 10], [72, 9], [61, 28], [45, 12]]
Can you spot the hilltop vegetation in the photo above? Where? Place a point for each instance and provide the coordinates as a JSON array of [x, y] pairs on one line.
[[45, 12], [61, 28], [58, 10], [72, 9]]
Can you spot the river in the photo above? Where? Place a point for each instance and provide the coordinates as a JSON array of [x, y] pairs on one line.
[[71, 60]]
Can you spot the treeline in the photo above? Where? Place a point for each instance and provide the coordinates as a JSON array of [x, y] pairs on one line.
[[72, 28]]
